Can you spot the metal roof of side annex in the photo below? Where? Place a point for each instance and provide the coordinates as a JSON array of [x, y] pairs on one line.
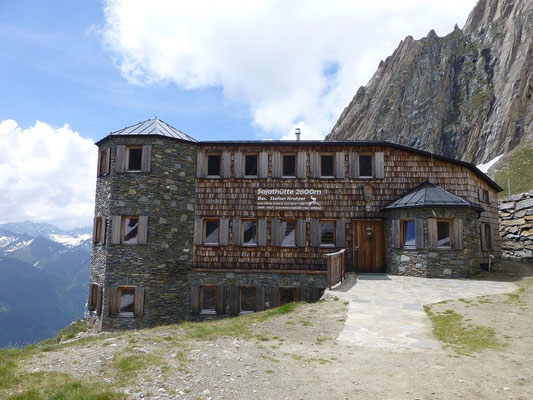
[[157, 127]]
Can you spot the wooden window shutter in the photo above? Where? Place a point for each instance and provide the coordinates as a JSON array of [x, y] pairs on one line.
[[221, 300], [341, 233], [142, 232], [419, 233], [120, 165], [259, 298], [262, 232], [201, 168], [379, 160], [276, 164], [146, 158], [198, 234], [457, 226], [315, 233], [236, 231], [138, 302], [224, 232], [99, 300], [483, 237], [225, 164], [116, 227], [274, 296], [104, 230], [112, 301], [432, 233], [196, 307], [107, 160], [239, 165], [354, 165], [491, 233], [302, 165], [276, 232], [396, 233], [95, 228], [479, 194], [339, 164], [301, 234], [234, 300], [263, 165], [315, 165], [90, 297], [98, 163]]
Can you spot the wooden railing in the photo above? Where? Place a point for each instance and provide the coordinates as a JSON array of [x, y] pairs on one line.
[[336, 267]]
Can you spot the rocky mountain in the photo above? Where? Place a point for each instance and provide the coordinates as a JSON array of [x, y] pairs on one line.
[[43, 282], [466, 95]]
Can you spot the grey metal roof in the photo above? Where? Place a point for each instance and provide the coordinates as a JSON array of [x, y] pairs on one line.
[[431, 195], [153, 127]]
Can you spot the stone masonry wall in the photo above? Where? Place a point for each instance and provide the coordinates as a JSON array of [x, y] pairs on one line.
[[516, 226], [435, 263]]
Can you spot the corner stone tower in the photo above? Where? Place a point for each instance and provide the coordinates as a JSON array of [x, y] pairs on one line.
[[143, 227]]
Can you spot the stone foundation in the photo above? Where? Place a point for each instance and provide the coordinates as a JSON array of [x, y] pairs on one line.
[[516, 226]]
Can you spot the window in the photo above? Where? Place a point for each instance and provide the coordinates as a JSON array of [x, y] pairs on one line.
[[213, 165], [134, 158], [249, 232], [99, 230], [287, 295], [208, 299], [327, 233], [289, 165], [326, 165], [486, 196], [443, 233], [126, 296], [130, 227], [247, 299], [211, 232], [250, 165], [365, 165], [408, 234], [103, 162], [93, 297], [488, 237], [288, 233]]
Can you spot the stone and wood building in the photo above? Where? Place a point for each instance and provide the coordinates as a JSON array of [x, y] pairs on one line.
[[184, 228]]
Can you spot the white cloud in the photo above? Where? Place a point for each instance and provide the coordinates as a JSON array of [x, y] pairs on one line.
[[273, 55], [46, 174]]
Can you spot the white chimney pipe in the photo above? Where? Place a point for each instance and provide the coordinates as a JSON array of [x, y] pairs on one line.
[[297, 133]]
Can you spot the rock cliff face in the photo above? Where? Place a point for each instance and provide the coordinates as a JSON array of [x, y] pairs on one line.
[[466, 95]]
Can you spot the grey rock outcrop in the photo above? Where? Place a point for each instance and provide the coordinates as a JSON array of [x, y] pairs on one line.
[[466, 95]]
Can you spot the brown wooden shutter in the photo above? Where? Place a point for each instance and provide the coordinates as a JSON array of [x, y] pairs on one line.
[[104, 230], [301, 233], [142, 232], [224, 232], [315, 164], [396, 240], [340, 226], [90, 297], [457, 226], [419, 233], [275, 232], [276, 164], [491, 233], [201, 167], [236, 231], [259, 298], [339, 164], [146, 158], [483, 236], [432, 233], [479, 194], [263, 165], [99, 300], [239, 165], [225, 165], [98, 163], [138, 302], [221, 300], [302, 165], [95, 228], [234, 300], [120, 165], [198, 234], [196, 307], [107, 160], [354, 165], [379, 158], [262, 232], [116, 227], [112, 301], [315, 233], [274, 296]]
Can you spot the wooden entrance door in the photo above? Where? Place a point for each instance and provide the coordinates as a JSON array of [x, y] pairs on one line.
[[369, 246]]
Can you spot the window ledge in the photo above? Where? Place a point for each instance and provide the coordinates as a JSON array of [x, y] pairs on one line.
[[327, 177], [288, 176], [366, 177], [288, 246], [126, 315], [208, 312], [249, 245], [246, 312], [211, 245], [327, 245], [213, 176], [251, 176], [133, 171]]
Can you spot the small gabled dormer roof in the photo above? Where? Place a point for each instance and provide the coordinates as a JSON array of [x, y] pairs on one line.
[[154, 127], [430, 195]]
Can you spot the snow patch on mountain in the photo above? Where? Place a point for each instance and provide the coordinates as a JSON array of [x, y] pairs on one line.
[[485, 167], [69, 240]]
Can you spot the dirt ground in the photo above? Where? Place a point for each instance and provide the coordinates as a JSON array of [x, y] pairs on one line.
[[296, 356]]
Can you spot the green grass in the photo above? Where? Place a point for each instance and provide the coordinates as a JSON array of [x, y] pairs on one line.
[[449, 328], [516, 166]]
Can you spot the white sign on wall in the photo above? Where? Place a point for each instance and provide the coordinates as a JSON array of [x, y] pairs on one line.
[[289, 199]]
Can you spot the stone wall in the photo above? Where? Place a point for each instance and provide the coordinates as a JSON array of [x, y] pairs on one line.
[[516, 226], [435, 263]]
